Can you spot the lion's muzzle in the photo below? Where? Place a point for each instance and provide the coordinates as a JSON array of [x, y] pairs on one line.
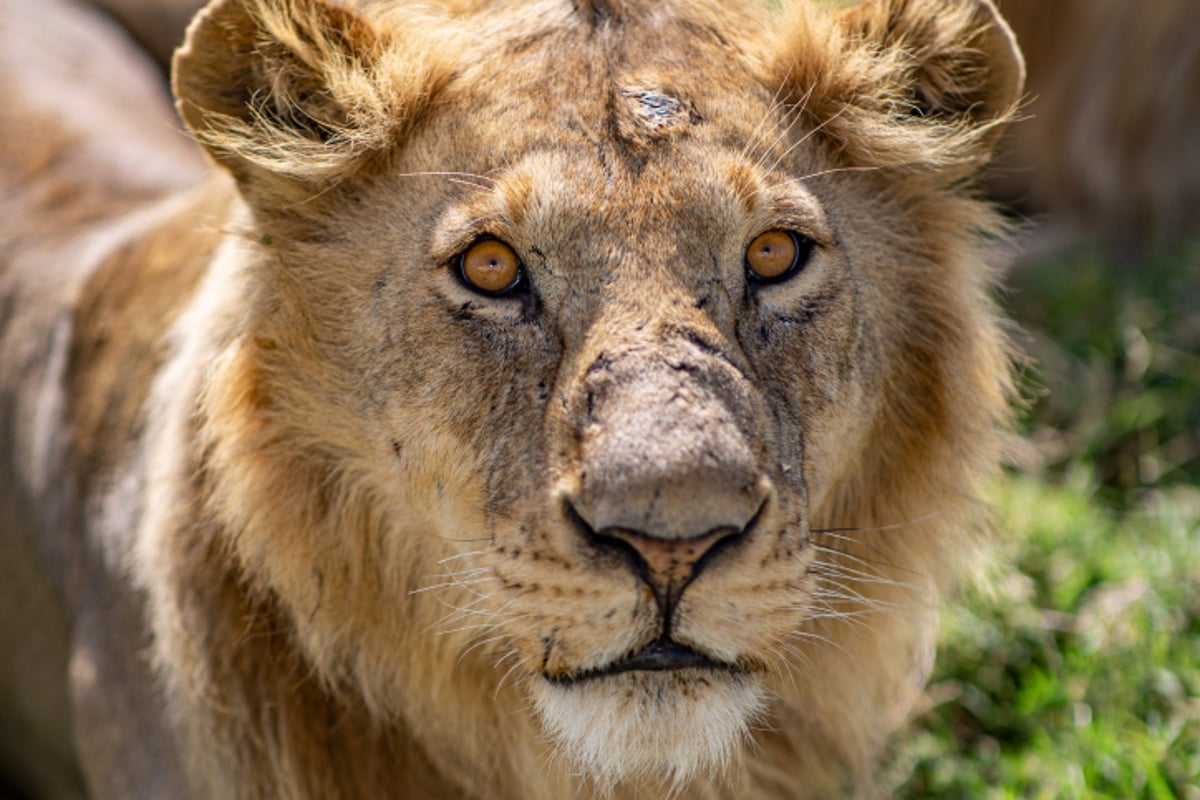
[[668, 470]]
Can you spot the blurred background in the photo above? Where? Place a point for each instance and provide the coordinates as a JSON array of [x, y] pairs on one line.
[[1073, 670]]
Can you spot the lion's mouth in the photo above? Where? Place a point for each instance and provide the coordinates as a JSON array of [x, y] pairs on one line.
[[659, 655]]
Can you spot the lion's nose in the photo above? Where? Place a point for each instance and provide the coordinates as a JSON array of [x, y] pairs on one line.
[[668, 470]]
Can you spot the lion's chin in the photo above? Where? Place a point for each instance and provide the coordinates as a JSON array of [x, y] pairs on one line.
[[669, 726]]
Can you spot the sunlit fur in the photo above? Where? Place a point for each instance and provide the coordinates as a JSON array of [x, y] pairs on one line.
[[651, 728], [359, 581]]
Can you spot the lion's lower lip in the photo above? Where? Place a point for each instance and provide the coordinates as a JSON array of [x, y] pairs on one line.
[[661, 654]]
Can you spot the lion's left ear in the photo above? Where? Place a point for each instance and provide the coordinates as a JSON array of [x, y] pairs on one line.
[[961, 59], [909, 84]]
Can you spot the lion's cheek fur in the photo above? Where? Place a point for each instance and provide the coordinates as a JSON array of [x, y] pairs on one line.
[[359, 537], [363, 543]]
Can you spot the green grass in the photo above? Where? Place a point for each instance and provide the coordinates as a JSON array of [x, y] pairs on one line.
[[1117, 373], [1076, 672]]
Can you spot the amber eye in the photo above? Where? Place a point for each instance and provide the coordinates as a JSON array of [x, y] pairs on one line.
[[490, 266], [776, 255]]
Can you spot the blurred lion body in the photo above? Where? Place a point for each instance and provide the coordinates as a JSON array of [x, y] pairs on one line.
[[1110, 148], [306, 515]]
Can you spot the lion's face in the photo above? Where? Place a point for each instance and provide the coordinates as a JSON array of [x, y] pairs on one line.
[[603, 343], [623, 433]]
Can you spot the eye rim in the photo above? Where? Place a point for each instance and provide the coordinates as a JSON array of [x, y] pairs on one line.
[[803, 245], [518, 284]]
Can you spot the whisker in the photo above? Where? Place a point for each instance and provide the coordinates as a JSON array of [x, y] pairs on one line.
[[467, 572], [490, 615], [839, 591], [754, 140], [826, 569], [889, 527], [791, 148], [794, 113], [788, 655], [866, 563], [467, 576], [457, 613], [836, 170], [856, 618], [817, 638], [457, 582], [792, 653], [457, 556], [824, 609], [504, 678], [512, 652], [478, 644], [836, 590], [821, 173], [466, 628], [483, 181]]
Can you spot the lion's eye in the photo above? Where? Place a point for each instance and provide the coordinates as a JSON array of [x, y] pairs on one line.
[[490, 266], [776, 255]]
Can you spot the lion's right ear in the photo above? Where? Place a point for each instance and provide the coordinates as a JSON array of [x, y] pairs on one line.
[[299, 89]]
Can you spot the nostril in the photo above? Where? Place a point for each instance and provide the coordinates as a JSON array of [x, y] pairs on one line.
[[606, 543], [720, 546]]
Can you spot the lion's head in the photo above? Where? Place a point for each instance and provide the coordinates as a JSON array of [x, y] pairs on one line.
[[622, 371]]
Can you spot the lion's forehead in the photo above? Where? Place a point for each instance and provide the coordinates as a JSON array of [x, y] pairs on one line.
[[629, 123], [570, 178], [594, 129], [640, 88]]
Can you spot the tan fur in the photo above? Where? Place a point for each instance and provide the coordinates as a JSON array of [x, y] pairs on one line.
[[1106, 147], [376, 526]]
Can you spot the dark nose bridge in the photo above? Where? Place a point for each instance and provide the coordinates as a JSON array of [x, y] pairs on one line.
[[654, 274], [665, 419]]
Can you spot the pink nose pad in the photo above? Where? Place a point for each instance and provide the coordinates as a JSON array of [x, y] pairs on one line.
[[670, 563]]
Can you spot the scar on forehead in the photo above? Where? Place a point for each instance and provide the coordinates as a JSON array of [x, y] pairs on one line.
[[656, 111]]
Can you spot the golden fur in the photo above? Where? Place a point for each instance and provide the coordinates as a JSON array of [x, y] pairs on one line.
[[1106, 146], [380, 535]]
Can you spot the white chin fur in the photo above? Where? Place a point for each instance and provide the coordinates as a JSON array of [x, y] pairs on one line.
[[666, 727]]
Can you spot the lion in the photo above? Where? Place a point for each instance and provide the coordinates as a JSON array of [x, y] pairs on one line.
[[558, 399]]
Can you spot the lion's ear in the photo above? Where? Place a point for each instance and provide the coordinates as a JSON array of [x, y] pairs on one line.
[[300, 89], [960, 60], [910, 84]]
